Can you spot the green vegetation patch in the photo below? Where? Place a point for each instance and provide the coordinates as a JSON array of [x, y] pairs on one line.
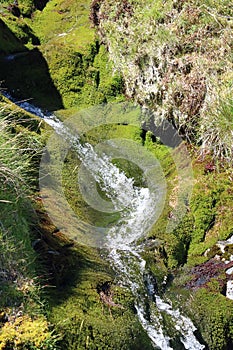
[[22, 321], [58, 60], [85, 321]]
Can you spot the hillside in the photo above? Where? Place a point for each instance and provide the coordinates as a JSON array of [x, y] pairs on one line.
[[173, 60], [176, 59]]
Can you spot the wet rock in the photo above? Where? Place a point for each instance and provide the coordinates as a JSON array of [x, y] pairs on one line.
[[203, 273], [53, 252], [230, 271]]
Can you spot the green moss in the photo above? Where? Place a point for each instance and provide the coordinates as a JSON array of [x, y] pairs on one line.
[[8, 41], [65, 17], [69, 61], [212, 313], [83, 320], [83, 79], [210, 206], [77, 63]]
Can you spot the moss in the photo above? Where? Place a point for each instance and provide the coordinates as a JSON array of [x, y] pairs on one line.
[[228, 251], [209, 309], [26, 7], [62, 57], [77, 71], [83, 79], [77, 63], [15, 34], [207, 219], [213, 251], [88, 321], [212, 312], [8, 41]]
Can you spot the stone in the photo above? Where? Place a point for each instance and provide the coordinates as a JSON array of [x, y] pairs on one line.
[[229, 271], [229, 292]]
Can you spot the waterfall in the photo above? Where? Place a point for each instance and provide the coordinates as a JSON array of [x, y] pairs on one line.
[[131, 268], [136, 206]]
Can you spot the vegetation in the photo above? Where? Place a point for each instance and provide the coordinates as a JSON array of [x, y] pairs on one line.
[[27, 333], [175, 57], [215, 322], [36, 257], [23, 324], [64, 64], [172, 57]]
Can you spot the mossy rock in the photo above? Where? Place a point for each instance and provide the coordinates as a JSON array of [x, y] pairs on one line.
[[228, 251], [213, 251]]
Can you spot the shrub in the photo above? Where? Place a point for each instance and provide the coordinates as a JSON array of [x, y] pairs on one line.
[[27, 333]]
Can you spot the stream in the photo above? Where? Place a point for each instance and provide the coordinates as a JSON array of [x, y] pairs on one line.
[[136, 206]]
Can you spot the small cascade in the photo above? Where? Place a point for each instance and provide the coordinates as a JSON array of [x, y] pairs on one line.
[[131, 269], [136, 206]]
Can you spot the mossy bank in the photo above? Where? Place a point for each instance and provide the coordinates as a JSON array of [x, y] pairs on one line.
[[54, 57]]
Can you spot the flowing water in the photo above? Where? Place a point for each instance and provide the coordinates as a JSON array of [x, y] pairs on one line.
[[136, 206]]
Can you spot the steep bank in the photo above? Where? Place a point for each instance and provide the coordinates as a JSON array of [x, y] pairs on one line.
[[176, 59], [64, 64], [163, 251], [48, 260]]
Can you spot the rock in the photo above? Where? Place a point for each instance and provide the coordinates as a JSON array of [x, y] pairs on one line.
[[53, 252], [203, 273], [230, 240], [206, 252], [229, 292], [221, 245], [229, 271]]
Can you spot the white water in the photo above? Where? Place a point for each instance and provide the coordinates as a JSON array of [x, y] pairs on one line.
[[136, 206], [131, 268]]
